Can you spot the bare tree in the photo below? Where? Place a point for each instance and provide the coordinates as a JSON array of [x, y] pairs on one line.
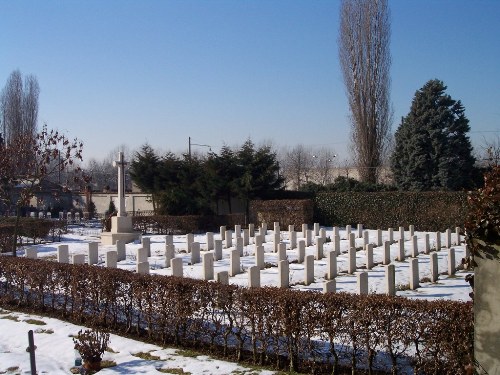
[[102, 172], [491, 152], [324, 160], [365, 59], [42, 155], [297, 165], [19, 106]]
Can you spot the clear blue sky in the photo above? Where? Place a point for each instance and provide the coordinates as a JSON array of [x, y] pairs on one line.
[[220, 71]]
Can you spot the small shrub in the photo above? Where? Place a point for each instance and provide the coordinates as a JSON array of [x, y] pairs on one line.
[[91, 344]]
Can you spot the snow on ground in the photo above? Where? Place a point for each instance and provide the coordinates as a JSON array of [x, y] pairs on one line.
[[55, 354]]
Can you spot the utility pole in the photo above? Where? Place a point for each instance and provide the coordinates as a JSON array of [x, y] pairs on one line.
[[196, 144]]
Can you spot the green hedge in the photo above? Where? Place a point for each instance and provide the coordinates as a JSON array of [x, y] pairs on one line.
[[427, 211]]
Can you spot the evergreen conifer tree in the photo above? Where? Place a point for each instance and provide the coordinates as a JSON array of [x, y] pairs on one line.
[[432, 150]]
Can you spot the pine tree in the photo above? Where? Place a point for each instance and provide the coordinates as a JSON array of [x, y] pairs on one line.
[[432, 150]]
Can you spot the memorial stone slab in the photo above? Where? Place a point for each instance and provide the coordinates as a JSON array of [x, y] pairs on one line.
[[169, 254], [253, 277], [111, 259], [121, 250], [434, 267], [195, 253], [362, 283], [259, 257], [390, 279], [414, 274], [309, 269], [93, 252], [208, 266], [222, 277], [177, 267], [218, 250], [142, 268], [329, 286], [331, 264], [63, 254], [78, 258], [234, 263], [283, 274], [301, 251]]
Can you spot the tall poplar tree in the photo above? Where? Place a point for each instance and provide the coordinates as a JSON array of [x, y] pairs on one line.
[[432, 150], [366, 60]]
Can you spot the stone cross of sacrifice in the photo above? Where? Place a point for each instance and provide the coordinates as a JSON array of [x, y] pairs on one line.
[[120, 164]]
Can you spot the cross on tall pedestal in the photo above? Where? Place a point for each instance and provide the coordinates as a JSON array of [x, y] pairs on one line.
[[120, 164]]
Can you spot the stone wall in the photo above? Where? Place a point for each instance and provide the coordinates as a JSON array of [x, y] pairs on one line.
[[134, 202]]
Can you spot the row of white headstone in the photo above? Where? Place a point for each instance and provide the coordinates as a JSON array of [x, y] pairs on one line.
[[207, 259]]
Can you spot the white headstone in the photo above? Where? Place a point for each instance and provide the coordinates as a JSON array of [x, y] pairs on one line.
[[319, 248], [253, 277], [177, 267], [390, 280], [259, 257], [309, 269], [401, 250], [329, 286], [369, 256], [229, 239], [142, 268], [331, 263], [414, 246], [434, 267], [169, 254], [111, 259], [121, 250], [210, 241], [351, 261], [142, 255], [195, 253], [218, 250], [301, 251], [451, 261], [387, 253], [208, 266], [234, 263], [222, 277], [362, 282], [414, 274], [31, 253], [146, 244], [63, 254], [283, 274], [78, 258], [93, 250]]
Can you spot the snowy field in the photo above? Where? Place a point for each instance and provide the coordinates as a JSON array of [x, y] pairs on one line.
[[55, 354]]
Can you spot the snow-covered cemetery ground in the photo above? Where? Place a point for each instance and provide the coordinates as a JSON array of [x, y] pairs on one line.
[[55, 354]]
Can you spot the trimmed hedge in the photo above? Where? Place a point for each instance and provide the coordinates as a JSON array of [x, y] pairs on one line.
[[286, 212], [29, 228], [301, 331], [427, 211]]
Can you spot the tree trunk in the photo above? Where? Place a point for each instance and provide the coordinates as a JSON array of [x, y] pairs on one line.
[[16, 230]]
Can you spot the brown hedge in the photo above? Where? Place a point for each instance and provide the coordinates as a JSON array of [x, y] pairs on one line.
[[285, 211], [301, 331], [427, 211]]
